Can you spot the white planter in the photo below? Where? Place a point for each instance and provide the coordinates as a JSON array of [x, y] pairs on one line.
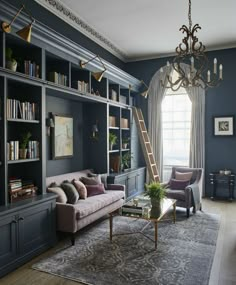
[[12, 65]]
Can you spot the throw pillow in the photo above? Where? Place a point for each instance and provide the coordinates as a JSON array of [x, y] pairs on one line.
[[80, 187], [71, 192], [178, 184], [183, 175], [93, 190], [103, 178], [91, 180], [61, 196]]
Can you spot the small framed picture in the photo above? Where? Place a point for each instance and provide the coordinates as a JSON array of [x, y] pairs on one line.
[[224, 126]]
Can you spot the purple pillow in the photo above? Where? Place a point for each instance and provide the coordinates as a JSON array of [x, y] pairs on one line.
[[93, 190], [178, 184]]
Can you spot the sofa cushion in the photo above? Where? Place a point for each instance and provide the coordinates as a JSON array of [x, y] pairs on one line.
[[93, 190], [103, 178], [183, 175], [175, 184], [175, 194], [61, 196], [71, 192], [91, 180], [80, 187], [92, 204]]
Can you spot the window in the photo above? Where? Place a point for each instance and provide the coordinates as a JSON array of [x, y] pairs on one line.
[[176, 123]]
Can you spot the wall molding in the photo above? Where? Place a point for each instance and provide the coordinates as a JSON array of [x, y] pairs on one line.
[[68, 16], [50, 40]]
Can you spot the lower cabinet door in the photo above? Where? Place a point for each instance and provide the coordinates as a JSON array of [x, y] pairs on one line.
[[35, 228], [8, 240], [132, 185]]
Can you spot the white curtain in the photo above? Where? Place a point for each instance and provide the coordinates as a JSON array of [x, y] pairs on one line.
[[197, 141], [155, 96]]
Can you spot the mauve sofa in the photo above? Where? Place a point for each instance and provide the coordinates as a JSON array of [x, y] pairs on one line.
[[73, 217]]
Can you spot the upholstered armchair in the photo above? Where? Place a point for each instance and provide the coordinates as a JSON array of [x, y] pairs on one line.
[[185, 185]]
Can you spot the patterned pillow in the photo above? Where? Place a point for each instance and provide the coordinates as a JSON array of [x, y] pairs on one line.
[[183, 175], [71, 192], [93, 190], [61, 196], [91, 180], [80, 187], [178, 184]]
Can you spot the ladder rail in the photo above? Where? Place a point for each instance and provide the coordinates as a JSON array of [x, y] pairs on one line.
[[146, 145]]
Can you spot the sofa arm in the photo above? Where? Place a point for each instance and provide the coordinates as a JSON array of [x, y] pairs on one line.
[[119, 187], [66, 218]]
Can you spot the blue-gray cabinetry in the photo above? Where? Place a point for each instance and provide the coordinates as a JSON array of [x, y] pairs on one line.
[[26, 230]]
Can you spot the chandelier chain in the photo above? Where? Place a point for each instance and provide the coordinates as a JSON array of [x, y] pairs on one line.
[[189, 15]]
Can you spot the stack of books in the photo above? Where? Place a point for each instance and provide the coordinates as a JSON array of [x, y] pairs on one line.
[[83, 86], [58, 78], [31, 68], [20, 189], [21, 110], [130, 208]]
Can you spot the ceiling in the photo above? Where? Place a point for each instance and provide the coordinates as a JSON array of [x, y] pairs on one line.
[[139, 29]]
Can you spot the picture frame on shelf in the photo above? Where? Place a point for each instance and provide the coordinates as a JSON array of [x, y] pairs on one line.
[[62, 136], [223, 125]]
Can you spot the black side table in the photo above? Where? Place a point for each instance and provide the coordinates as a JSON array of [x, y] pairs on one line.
[[216, 178]]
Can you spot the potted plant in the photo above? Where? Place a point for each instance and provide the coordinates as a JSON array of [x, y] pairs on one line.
[[125, 142], [23, 145], [156, 192], [125, 161], [112, 140], [11, 63]]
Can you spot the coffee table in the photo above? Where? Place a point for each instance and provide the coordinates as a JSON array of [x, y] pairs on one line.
[[137, 212]]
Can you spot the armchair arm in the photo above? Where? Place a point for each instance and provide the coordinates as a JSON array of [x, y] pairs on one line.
[[119, 187]]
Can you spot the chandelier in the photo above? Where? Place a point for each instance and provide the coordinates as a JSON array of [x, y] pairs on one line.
[[191, 63]]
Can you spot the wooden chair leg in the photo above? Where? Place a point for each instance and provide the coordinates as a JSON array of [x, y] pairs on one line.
[[188, 212], [72, 239]]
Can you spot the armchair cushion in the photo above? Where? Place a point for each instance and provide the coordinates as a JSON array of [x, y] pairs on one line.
[[176, 194], [178, 184], [183, 175]]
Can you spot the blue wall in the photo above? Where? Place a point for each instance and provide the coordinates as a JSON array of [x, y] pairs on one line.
[[220, 101]]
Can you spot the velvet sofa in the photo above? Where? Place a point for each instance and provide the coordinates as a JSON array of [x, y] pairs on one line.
[[72, 217]]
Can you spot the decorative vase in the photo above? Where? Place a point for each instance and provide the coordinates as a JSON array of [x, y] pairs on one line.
[[23, 153], [124, 145], [156, 208], [111, 146], [12, 65]]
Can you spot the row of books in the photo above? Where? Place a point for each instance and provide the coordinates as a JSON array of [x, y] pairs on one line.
[[21, 110], [15, 153], [21, 189], [31, 68], [58, 78], [82, 86]]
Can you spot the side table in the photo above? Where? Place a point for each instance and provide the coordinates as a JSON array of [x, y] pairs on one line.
[[217, 179]]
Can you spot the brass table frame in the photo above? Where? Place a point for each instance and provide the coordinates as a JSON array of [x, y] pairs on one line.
[[154, 220]]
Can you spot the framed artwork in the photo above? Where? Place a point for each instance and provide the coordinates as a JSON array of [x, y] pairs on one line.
[[62, 138], [224, 126]]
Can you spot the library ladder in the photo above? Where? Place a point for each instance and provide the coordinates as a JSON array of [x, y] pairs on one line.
[[146, 145]]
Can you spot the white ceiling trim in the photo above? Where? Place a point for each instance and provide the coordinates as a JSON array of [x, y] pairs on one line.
[[70, 18]]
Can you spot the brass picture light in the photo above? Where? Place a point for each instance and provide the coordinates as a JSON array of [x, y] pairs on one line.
[[97, 75], [24, 33], [145, 93]]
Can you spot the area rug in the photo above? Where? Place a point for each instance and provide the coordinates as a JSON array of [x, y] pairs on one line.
[[184, 254]]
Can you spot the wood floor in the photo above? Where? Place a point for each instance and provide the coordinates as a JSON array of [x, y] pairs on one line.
[[223, 269]]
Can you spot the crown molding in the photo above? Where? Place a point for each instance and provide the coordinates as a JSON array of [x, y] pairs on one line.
[[51, 41], [68, 16]]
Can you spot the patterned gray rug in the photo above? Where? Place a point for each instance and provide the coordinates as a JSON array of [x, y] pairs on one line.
[[184, 254]]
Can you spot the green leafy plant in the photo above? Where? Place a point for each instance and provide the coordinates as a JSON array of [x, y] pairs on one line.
[[25, 140], [125, 140], [9, 55], [112, 138], [125, 161], [155, 190]]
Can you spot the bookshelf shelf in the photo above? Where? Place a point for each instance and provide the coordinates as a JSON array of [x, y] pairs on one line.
[[125, 149], [23, 160], [114, 128], [24, 121], [114, 151]]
